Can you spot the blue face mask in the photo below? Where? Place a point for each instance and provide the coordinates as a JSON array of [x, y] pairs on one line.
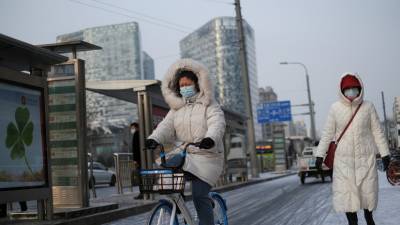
[[187, 91], [351, 92]]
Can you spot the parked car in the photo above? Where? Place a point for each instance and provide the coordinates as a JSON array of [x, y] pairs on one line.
[[101, 175], [306, 164]]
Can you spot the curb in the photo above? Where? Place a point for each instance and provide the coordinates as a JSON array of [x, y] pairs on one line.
[[109, 216], [105, 217]]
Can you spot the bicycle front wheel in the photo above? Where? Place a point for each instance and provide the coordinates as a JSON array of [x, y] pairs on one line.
[[161, 215], [220, 214]]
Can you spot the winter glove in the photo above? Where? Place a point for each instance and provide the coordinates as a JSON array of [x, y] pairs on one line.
[[206, 143], [151, 144], [318, 163], [386, 162]]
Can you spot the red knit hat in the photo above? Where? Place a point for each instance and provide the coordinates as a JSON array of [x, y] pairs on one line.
[[349, 81]]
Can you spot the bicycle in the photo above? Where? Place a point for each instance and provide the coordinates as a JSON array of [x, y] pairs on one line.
[[170, 181], [393, 171]]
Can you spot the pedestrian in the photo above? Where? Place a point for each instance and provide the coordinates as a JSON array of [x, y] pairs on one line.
[[195, 116], [355, 178], [136, 151], [23, 206]]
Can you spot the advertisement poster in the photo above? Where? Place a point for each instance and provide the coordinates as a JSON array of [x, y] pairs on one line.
[[21, 148]]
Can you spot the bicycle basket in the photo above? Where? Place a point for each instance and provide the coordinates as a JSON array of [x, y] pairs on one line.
[[161, 181]]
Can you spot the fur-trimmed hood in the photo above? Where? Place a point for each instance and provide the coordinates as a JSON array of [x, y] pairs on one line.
[[168, 88], [360, 97]]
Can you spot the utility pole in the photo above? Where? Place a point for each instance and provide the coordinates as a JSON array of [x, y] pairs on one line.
[[246, 83], [384, 117], [311, 106]]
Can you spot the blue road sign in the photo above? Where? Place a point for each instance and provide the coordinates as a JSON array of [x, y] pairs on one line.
[[274, 112]]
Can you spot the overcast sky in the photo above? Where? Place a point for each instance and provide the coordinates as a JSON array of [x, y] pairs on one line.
[[329, 36]]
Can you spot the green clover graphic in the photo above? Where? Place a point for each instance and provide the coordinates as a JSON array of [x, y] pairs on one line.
[[20, 135]]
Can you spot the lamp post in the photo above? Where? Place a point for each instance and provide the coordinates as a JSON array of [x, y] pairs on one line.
[[310, 104]]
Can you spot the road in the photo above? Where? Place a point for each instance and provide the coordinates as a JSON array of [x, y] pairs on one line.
[[280, 202]]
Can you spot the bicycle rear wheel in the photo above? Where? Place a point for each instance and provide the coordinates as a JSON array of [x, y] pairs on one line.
[[220, 214], [161, 215]]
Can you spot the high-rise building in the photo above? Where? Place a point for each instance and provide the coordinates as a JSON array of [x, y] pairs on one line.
[[121, 58], [148, 67], [296, 128], [215, 44], [266, 95]]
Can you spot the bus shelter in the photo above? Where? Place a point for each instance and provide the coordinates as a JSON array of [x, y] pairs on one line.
[[146, 94], [25, 172]]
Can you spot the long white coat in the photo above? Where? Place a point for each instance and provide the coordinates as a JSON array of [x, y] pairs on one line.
[[355, 179], [192, 120]]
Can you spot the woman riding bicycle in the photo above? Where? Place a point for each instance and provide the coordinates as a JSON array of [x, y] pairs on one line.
[[195, 116]]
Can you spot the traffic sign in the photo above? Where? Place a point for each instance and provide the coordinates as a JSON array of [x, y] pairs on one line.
[[274, 112]]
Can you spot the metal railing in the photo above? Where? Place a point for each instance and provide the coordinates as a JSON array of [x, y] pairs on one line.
[[125, 169]]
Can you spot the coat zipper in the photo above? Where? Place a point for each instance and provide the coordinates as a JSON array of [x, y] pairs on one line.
[[354, 148], [190, 120]]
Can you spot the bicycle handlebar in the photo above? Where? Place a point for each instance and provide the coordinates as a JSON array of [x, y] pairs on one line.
[[162, 153]]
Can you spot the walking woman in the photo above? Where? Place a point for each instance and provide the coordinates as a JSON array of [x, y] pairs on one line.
[[355, 178], [194, 117]]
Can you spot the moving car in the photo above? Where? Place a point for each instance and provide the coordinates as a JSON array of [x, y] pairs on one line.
[[101, 175], [306, 164]]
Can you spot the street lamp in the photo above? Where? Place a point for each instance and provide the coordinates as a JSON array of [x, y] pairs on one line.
[[310, 104]]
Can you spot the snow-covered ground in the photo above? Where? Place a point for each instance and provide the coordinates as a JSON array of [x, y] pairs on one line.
[[286, 202], [387, 213]]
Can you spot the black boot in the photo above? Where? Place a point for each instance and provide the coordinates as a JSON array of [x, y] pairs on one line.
[[352, 218], [368, 217]]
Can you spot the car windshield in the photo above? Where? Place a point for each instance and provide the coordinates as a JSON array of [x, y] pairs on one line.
[[308, 152], [97, 166], [236, 145]]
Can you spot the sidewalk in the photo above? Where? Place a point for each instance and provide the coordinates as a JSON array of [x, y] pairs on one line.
[[387, 213]]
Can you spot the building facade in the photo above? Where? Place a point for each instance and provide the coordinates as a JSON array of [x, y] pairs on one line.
[[296, 128], [148, 67], [215, 44], [121, 58]]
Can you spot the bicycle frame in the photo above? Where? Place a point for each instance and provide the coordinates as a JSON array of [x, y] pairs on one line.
[[177, 200]]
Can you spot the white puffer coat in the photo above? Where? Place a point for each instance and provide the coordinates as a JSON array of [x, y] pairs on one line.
[[191, 121], [355, 179]]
